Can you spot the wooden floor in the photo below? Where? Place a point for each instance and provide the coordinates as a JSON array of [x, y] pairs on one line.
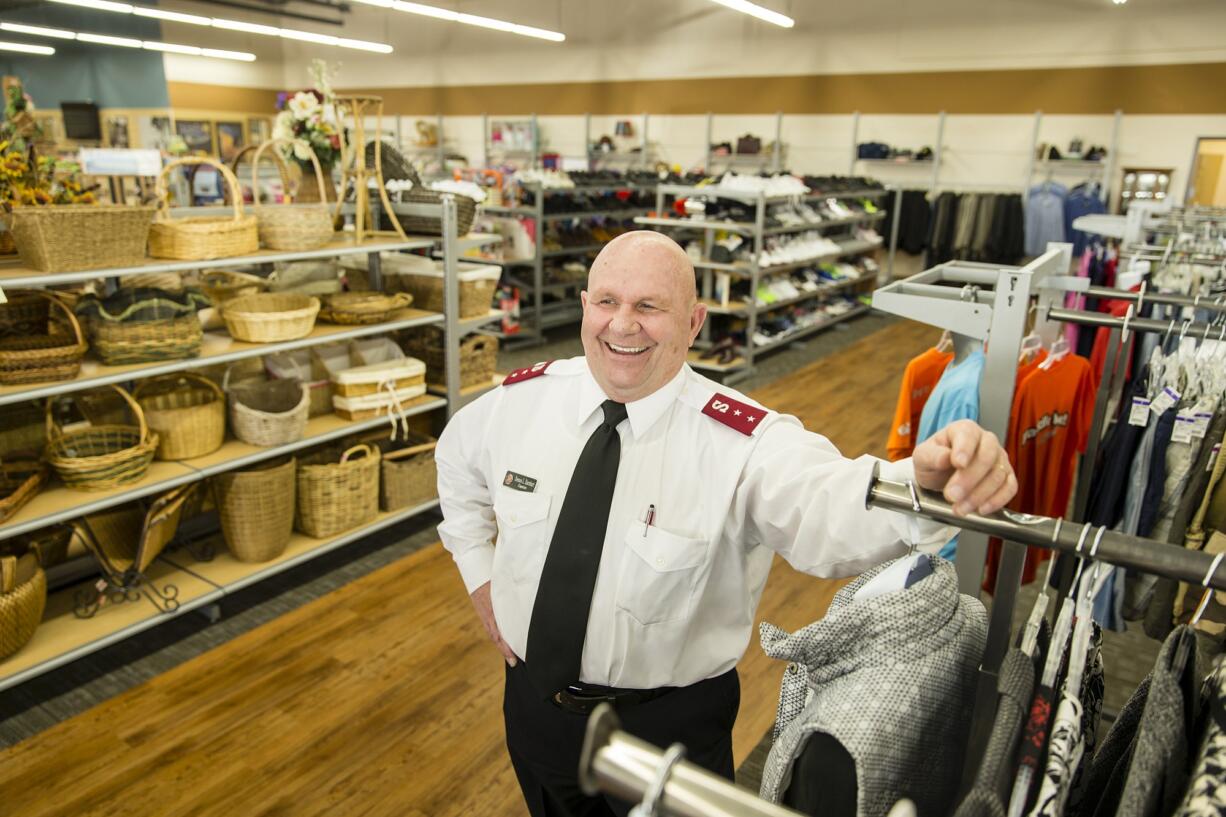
[[384, 697]]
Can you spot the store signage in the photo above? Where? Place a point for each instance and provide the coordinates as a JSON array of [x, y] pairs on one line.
[[120, 162]]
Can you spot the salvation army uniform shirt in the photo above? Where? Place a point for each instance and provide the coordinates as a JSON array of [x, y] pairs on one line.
[[918, 380], [728, 482]]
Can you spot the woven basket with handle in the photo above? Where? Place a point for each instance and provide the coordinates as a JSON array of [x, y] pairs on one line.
[[54, 352], [23, 595], [396, 168], [198, 238], [126, 539], [257, 510], [292, 227], [336, 496], [273, 412], [188, 412], [271, 316], [120, 342], [102, 456], [410, 476], [74, 237], [20, 481], [362, 307]]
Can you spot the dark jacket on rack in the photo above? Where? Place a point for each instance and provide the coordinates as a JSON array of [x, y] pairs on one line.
[[888, 679]]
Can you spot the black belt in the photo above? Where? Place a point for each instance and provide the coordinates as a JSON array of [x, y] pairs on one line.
[[582, 700]]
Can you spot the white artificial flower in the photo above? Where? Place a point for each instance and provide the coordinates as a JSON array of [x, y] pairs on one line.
[[303, 105], [282, 127], [302, 150]]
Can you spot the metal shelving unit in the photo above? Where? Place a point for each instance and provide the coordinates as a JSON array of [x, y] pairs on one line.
[[63, 637], [742, 364]]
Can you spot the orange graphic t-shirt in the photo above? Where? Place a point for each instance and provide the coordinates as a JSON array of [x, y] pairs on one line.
[[918, 381], [1048, 427]]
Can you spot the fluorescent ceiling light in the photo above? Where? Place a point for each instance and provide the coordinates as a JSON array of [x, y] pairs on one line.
[[450, 16], [122, 42], [38, 31], [44, 50], [233, 25], [744, 7], [106, 39]]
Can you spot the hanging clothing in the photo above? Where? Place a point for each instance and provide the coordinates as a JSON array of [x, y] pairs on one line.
[[888, 678], [964, 229], [1006, 241], [1082, 200], [1158, 774], [983, 227], [956, 396], [1139, 587], [1015, 685], [1206, 796], [1105, 774], [1049, 426], [1044, 216], [918, 380]]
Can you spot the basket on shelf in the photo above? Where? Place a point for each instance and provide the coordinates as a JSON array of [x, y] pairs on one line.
[[396, 168], [409, 474], [271, 316], [23, 430], [103, 456], [188, 412], [52, 545], [257, 510], [126, 539], [26, 312], [23, 596], [170, 281], [292, 227], [20, 481], [75, 237], [307, 366], [142, 325], [362, 307], [478, 356], [364, 392], [336, 496], [221, 286], [423, 279], [198, 238], [53, 352], [270, 413]]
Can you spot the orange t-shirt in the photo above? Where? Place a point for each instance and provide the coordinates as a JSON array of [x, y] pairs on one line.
[[918, 381], [1048, 426]]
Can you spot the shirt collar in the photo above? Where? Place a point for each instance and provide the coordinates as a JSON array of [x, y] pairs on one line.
[[642, 413]]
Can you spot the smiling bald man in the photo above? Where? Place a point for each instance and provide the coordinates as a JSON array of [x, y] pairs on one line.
[[614, 517]]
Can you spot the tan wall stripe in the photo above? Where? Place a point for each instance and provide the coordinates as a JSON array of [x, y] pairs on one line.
[[1194, 88]]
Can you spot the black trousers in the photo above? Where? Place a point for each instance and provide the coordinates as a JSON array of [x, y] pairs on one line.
[[545, 742]]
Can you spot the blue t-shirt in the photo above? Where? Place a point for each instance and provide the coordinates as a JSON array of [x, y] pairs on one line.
[[956, 397]]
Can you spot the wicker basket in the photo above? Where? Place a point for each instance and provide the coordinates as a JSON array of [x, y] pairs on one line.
[[477, 283], [271, 316], [410, 476], [188, 412], [24, 313], [46, 355], [395, 168], [478, 357], [257, 510], [20, 481], [362, 307], [74, 237], [121, 342], [225, 285], [21, 607], [270, 413], [101, 456], [126, 539], [199, 238], [336, 496], [308, 366], [292, 227]]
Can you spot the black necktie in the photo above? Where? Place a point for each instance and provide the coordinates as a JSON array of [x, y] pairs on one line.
[[564, 596]]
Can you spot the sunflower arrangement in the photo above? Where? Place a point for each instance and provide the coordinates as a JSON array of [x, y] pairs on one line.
[[28, 180]]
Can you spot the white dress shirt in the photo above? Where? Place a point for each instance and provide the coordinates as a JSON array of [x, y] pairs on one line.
[[674, 601]]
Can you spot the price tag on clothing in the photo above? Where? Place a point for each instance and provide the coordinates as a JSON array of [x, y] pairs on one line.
[[1217, 449], [1182, 432], [1165, 399], [1139, 415], [1200, 424]]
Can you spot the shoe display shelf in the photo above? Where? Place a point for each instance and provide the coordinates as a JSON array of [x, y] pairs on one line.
[[735, 361], [176, 582], [547, 302]]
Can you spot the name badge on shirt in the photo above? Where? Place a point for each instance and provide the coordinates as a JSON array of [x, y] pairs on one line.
[[518, 482]]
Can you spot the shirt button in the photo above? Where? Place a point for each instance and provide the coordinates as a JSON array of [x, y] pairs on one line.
[[660, 562], [514, 517]]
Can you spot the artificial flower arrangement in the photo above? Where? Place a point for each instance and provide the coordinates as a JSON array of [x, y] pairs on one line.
[[307, 119], [25, 177]]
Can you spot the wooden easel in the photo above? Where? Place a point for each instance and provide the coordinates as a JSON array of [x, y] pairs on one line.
[[353, 164]]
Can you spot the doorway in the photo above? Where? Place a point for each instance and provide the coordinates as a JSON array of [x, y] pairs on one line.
[[1207, 181]]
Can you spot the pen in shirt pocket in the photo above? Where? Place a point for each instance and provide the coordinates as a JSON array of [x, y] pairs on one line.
[[649, 519]]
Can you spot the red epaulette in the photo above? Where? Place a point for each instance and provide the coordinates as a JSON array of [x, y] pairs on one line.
[[736, 415], [520, 375]]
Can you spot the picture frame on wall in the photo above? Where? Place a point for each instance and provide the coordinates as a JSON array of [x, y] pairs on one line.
[[197, 135], [154, 132], [116, 130], [229, 139], [259, 130]]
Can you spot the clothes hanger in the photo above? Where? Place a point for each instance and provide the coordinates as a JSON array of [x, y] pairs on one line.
[[1030, 635], [1184, 650], [946, 343], [906, 572], [1058, 351]]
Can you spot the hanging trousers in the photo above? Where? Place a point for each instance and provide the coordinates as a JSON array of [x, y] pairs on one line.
[[545, 741]]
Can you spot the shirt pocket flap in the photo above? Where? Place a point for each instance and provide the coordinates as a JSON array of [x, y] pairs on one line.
[[665, 551], [516, 509]]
